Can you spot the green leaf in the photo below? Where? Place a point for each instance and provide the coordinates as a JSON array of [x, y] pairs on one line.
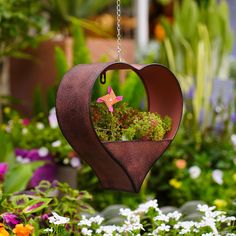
[[51, 97], [38, 103], [61, 63], [115, 82], [133, 90], [80, 50], [18, 177], [6, 150], [36, 205]]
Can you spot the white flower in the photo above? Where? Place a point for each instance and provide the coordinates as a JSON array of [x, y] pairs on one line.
[[146, 206], [9, 126], [185, 226], [56, 143], [210, 218], [88, 222], [162, 217], [132, 224], [66, 161], [223, 219], [24, 131], [85, 222], [164, 227], [194, 172], [154, 233], [87, 232], [174, 215], [208, 234], [126, 212], [58, 220], [210, 222], [205, 208], [48, 230], [233, 139], [97, 219], [52, 118], [217, 176], [75, 162], [22, 160], [107, 230], [43, 152], [40, 125]]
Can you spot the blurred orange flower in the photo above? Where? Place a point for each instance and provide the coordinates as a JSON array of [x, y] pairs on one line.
[[21, 230], [72, 154], [159, 32], [180, 164], [3, 232]]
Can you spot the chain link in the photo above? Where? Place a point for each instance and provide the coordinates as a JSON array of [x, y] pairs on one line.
[[118, 28]]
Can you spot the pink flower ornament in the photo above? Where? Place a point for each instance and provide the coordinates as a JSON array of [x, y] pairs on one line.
[[110, 99]]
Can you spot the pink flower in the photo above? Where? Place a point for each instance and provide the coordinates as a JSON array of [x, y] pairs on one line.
[[3, 170], [10, 219], [180, 164], [110, 99], [25, 121], [44, 217]]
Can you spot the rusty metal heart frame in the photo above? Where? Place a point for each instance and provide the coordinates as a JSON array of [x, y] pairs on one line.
[[118, 165]]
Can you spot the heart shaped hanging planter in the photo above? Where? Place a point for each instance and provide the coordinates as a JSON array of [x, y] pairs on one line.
[[120, 165]]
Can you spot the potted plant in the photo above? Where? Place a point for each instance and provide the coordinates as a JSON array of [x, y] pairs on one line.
[[120, 158]]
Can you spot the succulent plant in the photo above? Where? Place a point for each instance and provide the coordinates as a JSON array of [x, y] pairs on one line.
[[127, 123]]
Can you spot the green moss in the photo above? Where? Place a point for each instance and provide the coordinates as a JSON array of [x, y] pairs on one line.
[[127, 123]]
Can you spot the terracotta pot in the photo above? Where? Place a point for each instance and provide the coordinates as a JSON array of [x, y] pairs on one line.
[[26, 75]]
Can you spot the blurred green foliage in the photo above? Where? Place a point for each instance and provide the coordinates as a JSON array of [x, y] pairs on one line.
[[18, 175], [38, 133], [195, 48], [22, 25], [60, 11], [208, 153]]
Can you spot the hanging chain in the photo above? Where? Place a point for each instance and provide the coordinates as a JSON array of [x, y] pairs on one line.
[[118, 21]]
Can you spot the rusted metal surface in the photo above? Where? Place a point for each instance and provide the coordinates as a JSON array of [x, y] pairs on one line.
[[118, 165]]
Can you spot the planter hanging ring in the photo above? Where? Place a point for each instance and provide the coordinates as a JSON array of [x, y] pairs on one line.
[[120, 165], [103, 78]]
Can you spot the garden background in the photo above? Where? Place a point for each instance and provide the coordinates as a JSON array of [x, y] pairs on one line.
[[41, 40]]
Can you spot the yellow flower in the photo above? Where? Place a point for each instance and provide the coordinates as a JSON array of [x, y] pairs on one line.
[[175, 183], [234, 177], [3, 232], [220, 203], [7, 110], [3, 127], [21, 230]]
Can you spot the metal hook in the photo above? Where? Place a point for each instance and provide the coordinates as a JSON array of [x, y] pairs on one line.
[[103, 78]]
